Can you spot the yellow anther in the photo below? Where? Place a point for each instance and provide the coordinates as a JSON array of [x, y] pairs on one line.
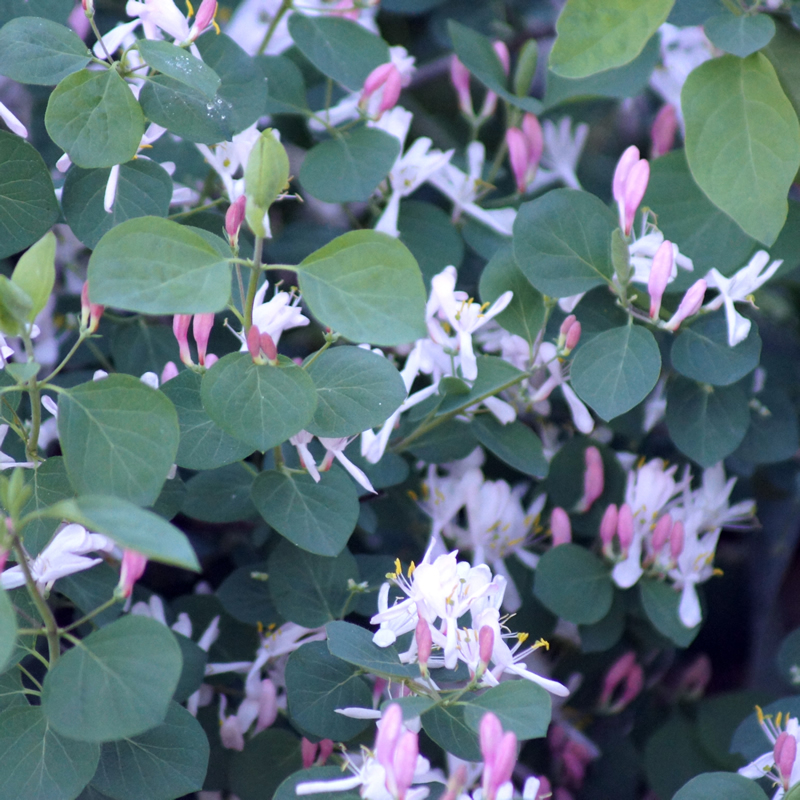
[[260, 627], [191, 9], [485, 306], [522, 637], [541, 643], [760, 715], [413, 495], [271, 627], [718, 572], [778, 719], [398, 567], [411, 569], [640, 463]]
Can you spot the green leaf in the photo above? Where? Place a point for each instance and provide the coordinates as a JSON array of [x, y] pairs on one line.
[[429, 234], [11, 691], [286, 89], [789, 658], [494, 375], [661, 603], [266, 760], [262, 405], [36, 50], [165, 762], [740, 35], [720, 784], [562, 242], [118, 437], [338, 48], [131, 527], [356, 390], [180, 64], [616, 370], [524, 315], [35, 272], [706, 423], [685, 215], [349, 168], [220, 495], [245, 595], [156, 266], [476, 53], [28, 205], [8, 630], [515, 443], [448, 728], [15, 308], [603, 635], [450, 441], [592, 37], [203, 444], [574, 583], [318, 517], [701, 352], [143, 189], [309, 589], [354, 644], [521, 706], [46, 765], [318, 683], [773, 432], [95, 118], [783, 54], [116, 683], [740, 102], [366, 286], [90, 588]]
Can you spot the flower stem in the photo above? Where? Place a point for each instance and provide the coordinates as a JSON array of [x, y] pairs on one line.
[[253, 285], [285, 6]]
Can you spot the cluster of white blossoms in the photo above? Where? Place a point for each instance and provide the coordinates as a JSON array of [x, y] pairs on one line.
[[780, 764]]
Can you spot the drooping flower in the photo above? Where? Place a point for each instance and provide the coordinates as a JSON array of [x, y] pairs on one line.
[[780, 764]]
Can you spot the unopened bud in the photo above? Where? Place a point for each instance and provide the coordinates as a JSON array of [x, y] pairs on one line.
[[459, 76], [132, 568], [625, 527], [90, 312], [526, 68], [662, 134], [266, 177], [593, 477], [785, 753], [424, 644], [689, 306], [180, 327], [404, 763], [661, 532], [387, 80], [676, 540], [205, 18], [201, 328], [234, 217], [617, 673], [608, 526], [560, 526], [254, 343], [308, 752], [485, 645], [169, 372], [268, 348], [88, 8], [660, 275], [503, 56], [573, 337]]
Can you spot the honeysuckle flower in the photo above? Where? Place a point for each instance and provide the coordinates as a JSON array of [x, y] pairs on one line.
[[525, 147], [411, 169], [335, 448], [690, 304], [444, 496], [464, 315], [152, 133], [132, 568], [643, 251], [499, 751], [780, 764], [281, 313], [739, 289], [560, 155], [464, 189], [710, 501], [663, 265], [65, 555], [229, 158], [622, 683], [630, 183], [580, 414], [14, 125]]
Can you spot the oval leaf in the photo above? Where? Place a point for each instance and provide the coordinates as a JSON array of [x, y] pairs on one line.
[[740, 102], [514, 443], [354, 644], [616, 370], [521, 706], [740, 35], [366, 286], [260, 404], [180, 65], [561, 242], [720, 784], [661, 604], [117, 683], [95, 118]]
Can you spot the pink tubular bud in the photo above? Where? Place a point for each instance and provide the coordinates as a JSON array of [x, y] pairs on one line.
[[489, 732], [308, 750], [499, 769], [424, 642], [404, 764], [660, 274], [608, 525], [325, 749], [169, 372], [90, 312], [785, 753], [566, 325], [534, 137], [503, 56], [133, 566], [180, 327], [377, 78], [389, 732], [573, 337], [695, 678], [661, 532], [560, 526], [617, 673], [456, 783], [593, 478], [268, 348], [676, 539], [489, 106], [459, 76], [662, 134], [234, 217], [267, 705], [485, 644], [201, 328], [518, 157], [625, 527], [205, 17], [386, 77], [254, 343], [689, 306], [630, 183], [88, 8]]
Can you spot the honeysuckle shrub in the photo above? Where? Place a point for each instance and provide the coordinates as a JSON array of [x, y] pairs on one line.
[[399, 400]]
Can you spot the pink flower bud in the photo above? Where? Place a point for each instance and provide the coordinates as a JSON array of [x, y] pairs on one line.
[[267, 705], [268, 347], [518, 157], [676, 539], [661, 532], [211, 359], [254, 343], [663, 131], [695, 678], [404, 764], [503, 55], [205, 17], [489, 732], [389, 732], [169, 372], [630, 183], [498, 768], [489, 106], [560, 526], [617, 673], [689, 306], [234, 217], [534, 137], [88, 8], [133, 566], [346, 9], [424, 642], [308, 750], [785, 753], [456, 783], [485, 644], [545, 790], [625, 527], [593, 478], [573, 337], [386, 77], [660, 274], [459, 76], [325, 749], [90, 312], [201, 328], [566, 325], [180, 327], [608, 525]]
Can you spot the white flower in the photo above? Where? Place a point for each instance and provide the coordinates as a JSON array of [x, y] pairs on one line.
[[548, 358], [642, 251], [229, 158], [65, 555], [780, 764], [14, 125], [561, 154], [739, 289], [335, 449]]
